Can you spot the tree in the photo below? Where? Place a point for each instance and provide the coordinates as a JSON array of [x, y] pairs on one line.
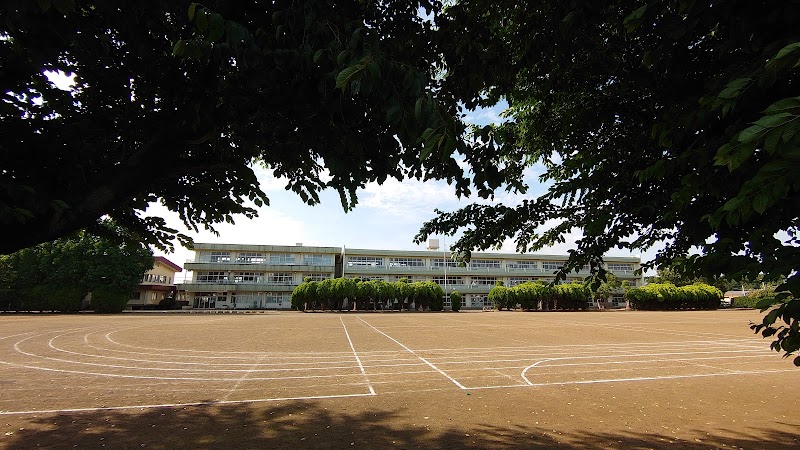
[[455, 301], [498, 296], [202, 93], [58, 275], [675, 121], [606, 288]]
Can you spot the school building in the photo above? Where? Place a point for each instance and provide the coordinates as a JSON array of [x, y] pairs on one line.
[[234, 276]]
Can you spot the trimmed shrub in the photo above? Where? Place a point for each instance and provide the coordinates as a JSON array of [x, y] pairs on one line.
[[108, 301], [498, 296], [455, 300], [746, 301], [666, 296]]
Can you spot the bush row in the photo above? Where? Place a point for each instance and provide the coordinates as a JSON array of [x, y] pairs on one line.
[[667, 296], [339, 293], [536, 295]]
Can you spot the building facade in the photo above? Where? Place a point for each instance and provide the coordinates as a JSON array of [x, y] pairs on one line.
[[157, 284], [229, 276]]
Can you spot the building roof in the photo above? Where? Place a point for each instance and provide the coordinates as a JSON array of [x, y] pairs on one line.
[[169, 263]]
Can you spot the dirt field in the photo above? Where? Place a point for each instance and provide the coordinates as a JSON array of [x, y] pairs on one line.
[[395, 380]]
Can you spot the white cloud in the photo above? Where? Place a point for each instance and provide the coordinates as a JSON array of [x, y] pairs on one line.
[[409, 200]]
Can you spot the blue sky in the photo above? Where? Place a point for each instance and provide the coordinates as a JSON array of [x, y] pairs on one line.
[[388, 216]]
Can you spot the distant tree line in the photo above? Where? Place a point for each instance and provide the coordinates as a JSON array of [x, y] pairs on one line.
[[60, 275], [353, 293]]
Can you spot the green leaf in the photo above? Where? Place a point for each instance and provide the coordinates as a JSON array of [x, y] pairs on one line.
[[783, 105], [760, 203], [318, 54], [784, 53], [192, 8], [216, 26], [775, 120], [418, 110], [631, 22], [201, 21], [347, 75], [179, 49], [734, 88]]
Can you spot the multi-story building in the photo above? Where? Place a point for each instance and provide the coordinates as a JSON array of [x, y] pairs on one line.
[[228, 276], [157, 284], [264, 276]]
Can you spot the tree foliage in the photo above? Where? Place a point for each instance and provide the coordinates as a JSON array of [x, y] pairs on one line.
[[670, 121], [173, 102], [58, 275], [455, 301], [334, 293], [667, 296]]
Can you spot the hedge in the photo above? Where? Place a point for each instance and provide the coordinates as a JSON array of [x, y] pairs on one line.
[[667, 296]]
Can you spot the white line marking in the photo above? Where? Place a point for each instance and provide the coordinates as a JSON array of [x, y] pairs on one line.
[[358, 360], [415, 354], [540, 363], [175, 405], [241, 380]]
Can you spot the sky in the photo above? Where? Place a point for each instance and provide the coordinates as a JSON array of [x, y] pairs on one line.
[[387, 216]]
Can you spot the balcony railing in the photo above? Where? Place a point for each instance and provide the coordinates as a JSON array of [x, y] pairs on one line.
[[256, 281], [270, 263]]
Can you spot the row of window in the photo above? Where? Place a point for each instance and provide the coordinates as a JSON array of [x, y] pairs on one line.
[[271, 258], [289, 278], [475, 264], [152, 278], [276, 278], [241, 300]]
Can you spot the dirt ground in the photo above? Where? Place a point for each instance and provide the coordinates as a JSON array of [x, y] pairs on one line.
[[613, 379]]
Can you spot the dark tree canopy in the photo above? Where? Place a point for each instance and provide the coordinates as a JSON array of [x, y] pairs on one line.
[[58, 275], [173, 102], [670, 121]]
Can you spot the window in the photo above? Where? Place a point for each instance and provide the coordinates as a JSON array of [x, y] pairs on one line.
[[209, 299], [479, 264], [220, 257], [450, 281], [278, 298], [617, 300], [519, 280], [152, 278], [447, 302], [625, 268], [484, 281], [317, 260], [245, 277], [523, 265], [281, 278], [315, 276], [369, 278], [374, 261], [441, 262], [552, 265], [481, 301], [406, 262], [281, 258], [211, 277], [410, 278], [251, 258]]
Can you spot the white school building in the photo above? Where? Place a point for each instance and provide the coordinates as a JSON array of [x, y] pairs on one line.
[[235, 276]]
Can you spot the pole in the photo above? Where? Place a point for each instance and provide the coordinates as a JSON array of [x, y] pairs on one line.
[[446, 263]]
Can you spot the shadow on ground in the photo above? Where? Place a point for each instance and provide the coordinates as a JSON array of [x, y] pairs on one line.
[[313, 425]]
